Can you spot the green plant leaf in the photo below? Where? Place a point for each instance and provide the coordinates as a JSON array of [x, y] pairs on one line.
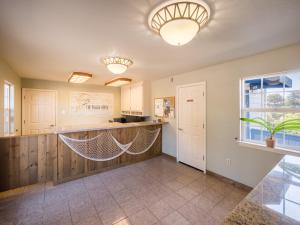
[[259, 121]]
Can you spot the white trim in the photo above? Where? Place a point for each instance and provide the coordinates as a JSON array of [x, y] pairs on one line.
[[270, 74], [278, 150], [23, 105], [284, 110], [203, 83]]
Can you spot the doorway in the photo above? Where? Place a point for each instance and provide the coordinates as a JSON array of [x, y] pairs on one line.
[[38, 111], [191, 125]]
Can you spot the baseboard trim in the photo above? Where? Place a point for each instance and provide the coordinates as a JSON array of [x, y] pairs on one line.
[[224, 179], [169, 157], [230, 181]]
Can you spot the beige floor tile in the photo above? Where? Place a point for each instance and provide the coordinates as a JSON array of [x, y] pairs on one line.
[[174, 219], [192, 213], [174, 185], [144, 192], [149, 198], [161, 209], [132, 206], [187, 193], [185, 180], [143, 217], [105, 204], [175, 201], [213, 195], [124, 222], [219, 213], [123, 195], [90, 220], [112, 216], [203, 203]]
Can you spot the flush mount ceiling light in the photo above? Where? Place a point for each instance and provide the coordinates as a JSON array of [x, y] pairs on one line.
[[117, 65], [120, 81], [79, 77], [178, 21]]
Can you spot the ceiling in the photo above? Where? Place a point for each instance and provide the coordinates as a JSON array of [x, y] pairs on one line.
[[48, 39]]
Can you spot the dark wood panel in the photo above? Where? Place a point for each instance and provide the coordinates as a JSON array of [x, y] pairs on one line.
[[72, 166], [26, 160]]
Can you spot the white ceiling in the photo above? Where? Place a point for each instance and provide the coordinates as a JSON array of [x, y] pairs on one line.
[[48, 39]]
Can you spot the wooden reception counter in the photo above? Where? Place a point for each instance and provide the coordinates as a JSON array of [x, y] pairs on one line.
[[31, 159]]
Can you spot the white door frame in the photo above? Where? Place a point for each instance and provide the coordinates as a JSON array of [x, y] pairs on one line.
[[23, 105], [203, 83]]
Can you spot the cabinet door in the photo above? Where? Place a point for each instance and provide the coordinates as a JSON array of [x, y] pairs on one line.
[[125, 98], [137, 97]]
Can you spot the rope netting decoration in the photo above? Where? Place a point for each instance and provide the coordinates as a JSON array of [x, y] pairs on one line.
[[106, 147]]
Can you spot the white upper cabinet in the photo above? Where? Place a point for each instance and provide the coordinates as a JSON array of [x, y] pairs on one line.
[[125, 99], [135, 99]]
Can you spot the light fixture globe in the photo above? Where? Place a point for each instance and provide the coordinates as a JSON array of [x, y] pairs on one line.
[[117, 65], [178, 21]]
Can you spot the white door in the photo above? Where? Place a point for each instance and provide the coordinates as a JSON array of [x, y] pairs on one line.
[[191, 125], [38, 111]]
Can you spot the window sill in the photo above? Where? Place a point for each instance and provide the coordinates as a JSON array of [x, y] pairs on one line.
[[278, 150]]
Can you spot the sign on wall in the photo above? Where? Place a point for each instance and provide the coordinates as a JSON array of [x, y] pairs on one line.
[[92, 103]]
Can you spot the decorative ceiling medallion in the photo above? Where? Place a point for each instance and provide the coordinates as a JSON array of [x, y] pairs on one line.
[[177, 21], [117, 65], [117, 82], [79, 77]]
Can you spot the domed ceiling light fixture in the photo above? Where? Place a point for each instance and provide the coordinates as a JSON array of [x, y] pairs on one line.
[[178, 21], [117, 65]]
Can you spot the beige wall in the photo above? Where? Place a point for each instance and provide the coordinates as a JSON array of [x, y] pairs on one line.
[[7, 74], [64, 117], [248, 166]]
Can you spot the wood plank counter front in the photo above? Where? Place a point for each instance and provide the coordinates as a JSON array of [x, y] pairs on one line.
[[31, 159], [72, 165], [26, 160]]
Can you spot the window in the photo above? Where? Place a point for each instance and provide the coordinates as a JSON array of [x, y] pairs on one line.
[[8, 108], [274, 98]]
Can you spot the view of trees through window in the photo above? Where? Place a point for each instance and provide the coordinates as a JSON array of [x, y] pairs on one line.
[[274, 98]]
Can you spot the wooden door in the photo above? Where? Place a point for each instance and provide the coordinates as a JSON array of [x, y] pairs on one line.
[[38, 111], [191, 125]]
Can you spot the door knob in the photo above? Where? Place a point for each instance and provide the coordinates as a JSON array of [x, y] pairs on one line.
[[180, 129], [51, 125]]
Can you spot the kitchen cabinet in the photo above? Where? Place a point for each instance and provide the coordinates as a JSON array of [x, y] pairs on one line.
[[135, 99], [125, 99]]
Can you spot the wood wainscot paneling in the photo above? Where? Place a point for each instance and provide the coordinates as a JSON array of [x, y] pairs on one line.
[[26, 160], [72, 165]]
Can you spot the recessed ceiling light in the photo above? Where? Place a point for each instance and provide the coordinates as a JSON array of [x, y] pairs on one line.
[[178, 21], [117, 65], [79, 77], [120, 81]]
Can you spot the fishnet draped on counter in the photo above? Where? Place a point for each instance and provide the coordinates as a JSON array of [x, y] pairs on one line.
[[106, 147]]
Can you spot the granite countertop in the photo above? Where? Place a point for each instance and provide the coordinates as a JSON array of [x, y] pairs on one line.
[[275, 200], [104, 126]]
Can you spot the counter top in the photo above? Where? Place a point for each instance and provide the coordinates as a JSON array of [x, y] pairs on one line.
[[275, 200], [104, 126]]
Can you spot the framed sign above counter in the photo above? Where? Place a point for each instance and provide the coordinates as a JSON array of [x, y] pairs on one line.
[[91, 103]]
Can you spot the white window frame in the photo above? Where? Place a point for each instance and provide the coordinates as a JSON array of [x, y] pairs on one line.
[[258, 145], [10, 130]]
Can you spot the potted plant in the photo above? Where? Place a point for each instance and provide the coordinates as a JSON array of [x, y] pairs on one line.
[[290, 124]]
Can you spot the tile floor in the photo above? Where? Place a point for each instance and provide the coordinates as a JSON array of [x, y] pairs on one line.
[[157, 191]]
